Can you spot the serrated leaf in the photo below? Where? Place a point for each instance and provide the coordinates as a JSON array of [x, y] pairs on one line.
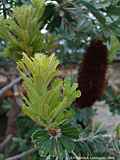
[[46, 103]]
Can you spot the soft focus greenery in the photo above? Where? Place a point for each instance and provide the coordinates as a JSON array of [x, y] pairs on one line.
[[74, 23], [21, 30]]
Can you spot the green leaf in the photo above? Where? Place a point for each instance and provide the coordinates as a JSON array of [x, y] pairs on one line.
[[53, 146], [94, 11], [113, 10], [68, 144]]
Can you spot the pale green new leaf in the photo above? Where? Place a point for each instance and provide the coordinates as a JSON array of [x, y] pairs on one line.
[[48, 99]]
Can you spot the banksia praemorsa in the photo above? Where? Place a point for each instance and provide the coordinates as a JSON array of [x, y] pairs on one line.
[[92, 74]]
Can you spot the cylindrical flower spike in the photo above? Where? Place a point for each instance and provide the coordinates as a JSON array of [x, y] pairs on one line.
[[92, 74]]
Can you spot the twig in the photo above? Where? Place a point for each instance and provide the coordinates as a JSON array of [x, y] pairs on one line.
[[5, 142], [21, 155], [13, 113], [10, 85], [12, 116]]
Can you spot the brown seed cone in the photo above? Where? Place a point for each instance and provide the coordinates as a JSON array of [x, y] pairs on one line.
[[92, 74]]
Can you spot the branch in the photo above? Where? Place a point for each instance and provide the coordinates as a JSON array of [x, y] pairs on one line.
[[12, 116], [21, 155], [10, 85], [5, 142]]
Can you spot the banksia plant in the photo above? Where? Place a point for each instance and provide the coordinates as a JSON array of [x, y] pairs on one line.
[[48, 104], [92, 74]]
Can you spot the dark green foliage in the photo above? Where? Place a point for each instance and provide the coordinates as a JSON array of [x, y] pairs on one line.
[[89, 142], [92, 142], [77, 22], [59, 146], [24, 129], [86, 20], [6, 7], [84, 116], [98, 144], [21, 31], [113, 100]]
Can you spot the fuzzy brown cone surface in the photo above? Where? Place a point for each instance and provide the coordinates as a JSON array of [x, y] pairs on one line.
[[92, 74]]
